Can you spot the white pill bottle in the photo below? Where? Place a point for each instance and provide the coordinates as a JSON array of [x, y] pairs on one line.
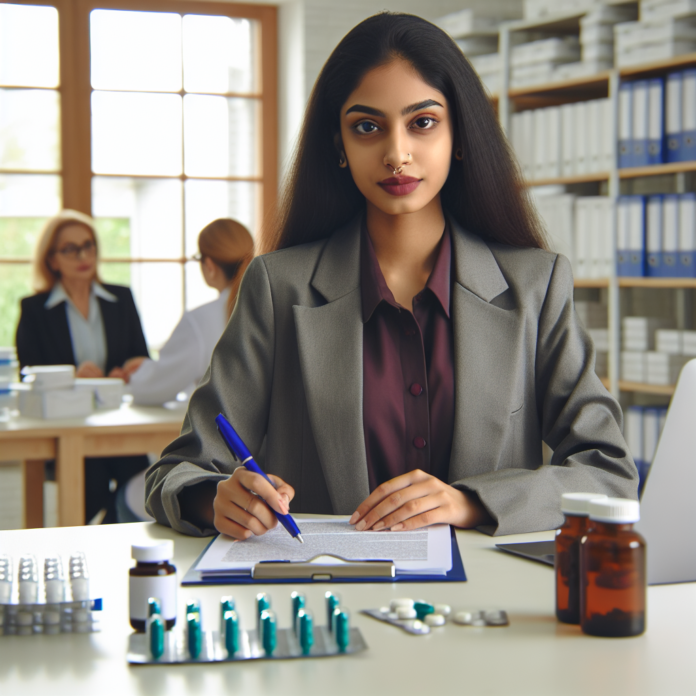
[[152, 576]]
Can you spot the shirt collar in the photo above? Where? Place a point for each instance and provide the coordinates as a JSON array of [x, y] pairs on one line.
[[59, 295], [374, 287]]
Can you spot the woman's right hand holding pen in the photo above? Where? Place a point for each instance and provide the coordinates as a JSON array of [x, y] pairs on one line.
[[245, 504]]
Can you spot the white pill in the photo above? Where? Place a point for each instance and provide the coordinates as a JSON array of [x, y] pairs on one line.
[[401, 602], [444, 609], [392, 615], [384, 610], [435, 620], [406, 613], [463, 617]]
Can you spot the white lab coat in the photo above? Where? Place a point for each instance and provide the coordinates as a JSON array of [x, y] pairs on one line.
[[185, 356]]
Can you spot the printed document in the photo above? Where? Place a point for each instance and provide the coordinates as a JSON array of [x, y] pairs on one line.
[[423, 551]]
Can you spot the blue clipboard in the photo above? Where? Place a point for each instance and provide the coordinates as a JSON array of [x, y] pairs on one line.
[[456, 574]]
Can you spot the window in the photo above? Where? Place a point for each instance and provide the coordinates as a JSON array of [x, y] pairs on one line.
[[168, 112]]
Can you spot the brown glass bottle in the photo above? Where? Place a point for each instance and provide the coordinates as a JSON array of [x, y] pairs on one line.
[[152, 576], [613, 580], [575, 507]]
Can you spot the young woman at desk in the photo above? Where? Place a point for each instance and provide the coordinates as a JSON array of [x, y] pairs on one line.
[[409, 343], [225, 249]]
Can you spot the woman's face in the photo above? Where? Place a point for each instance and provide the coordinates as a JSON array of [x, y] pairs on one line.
[[394, 119], [74, 255]]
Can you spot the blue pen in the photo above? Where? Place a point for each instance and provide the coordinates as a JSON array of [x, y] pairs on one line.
[[239, 451]]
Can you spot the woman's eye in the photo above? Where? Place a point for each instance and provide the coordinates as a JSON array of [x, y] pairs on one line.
[[365, 127], [425, 122]]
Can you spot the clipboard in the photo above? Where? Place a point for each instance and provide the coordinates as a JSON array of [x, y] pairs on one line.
[[347, 571]]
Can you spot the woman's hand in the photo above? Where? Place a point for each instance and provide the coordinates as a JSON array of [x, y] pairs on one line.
[[417, 499], [128, 368], [88, 370], [239, 510]]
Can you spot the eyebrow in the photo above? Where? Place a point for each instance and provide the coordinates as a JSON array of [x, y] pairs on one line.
[[361, 108]]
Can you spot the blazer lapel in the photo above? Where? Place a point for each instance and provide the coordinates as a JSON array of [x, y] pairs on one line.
[[113, 331], [488, 348], [329, 339], [62, 348]]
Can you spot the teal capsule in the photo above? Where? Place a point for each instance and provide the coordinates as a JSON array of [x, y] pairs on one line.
[[226, 604], [195, 638], [193, 607], [263, 602], [298, 602], [155, 630], [306, 629], [332, 601], [269, 636], [342, 629], [231, 626], [154, 606], [423, 609]]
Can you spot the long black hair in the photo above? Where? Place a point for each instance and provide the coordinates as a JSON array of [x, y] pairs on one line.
[[483, 191]]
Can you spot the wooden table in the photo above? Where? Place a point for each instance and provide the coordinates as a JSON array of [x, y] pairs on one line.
[[126, 431]]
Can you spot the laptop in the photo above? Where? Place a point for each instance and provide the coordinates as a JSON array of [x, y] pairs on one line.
[[667, 517]]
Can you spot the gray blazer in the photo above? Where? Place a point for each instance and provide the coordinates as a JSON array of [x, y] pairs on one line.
[[287, 372]]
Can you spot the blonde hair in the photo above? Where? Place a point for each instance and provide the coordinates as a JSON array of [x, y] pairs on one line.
[[229, 245], [44, 276]]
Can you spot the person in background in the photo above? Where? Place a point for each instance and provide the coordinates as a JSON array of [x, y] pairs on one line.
[[225, 248], [74, 318]]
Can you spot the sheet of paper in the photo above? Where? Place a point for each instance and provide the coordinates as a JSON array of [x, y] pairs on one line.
[[424, 551]]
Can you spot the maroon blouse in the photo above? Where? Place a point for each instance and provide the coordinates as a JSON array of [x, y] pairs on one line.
[[408, 371]]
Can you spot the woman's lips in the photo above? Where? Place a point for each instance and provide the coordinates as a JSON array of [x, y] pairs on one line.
[[400, 185]]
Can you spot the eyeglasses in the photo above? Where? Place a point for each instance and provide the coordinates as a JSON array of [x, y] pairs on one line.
[[74, 251]]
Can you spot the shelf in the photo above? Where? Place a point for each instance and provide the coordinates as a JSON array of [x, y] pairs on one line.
[[665, 390], [581, 87], [605, 382], [553, 24], [591, 282], [661, 66], [657, 283], [657, 170], [565, 180]]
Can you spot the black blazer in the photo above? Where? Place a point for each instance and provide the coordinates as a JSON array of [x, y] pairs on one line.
[[43, 335]]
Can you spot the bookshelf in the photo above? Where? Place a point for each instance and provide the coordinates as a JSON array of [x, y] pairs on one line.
[[602, 85]]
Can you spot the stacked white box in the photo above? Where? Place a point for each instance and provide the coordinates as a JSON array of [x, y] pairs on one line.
[[644, 42], [488, 68], [689, 343], [468, 23], [51, 393], [535, 62], [633, 366], [638, 333], [107, 391], [662, 368], [542, 9], [597, 32], [669, 341], [42, 377], [661, 9]]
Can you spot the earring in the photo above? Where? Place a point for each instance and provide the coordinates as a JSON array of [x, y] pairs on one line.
[[458, 154], [342, 162]]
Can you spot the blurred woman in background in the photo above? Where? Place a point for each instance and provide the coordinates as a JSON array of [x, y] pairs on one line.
[[225, 249], [76, 319]]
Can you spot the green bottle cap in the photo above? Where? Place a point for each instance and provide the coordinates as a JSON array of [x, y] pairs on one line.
[[332, 601], [195, 639], [263, 602], [231, 624], [154, 606], [193, 607], [268, 631], [156, 630], [342, 629], [226, 604], [423, 609], [306, 631]]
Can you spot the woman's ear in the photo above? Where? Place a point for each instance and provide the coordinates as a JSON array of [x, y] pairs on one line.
[[458, 153], [338, 144]]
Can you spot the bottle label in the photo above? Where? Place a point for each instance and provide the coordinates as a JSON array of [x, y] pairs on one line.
[[161, 587]]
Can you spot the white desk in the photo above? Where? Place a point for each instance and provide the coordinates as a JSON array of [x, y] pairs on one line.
[[125, 431], [535, 655]]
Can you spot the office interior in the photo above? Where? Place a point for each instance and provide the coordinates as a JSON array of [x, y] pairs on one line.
[[93, 121]]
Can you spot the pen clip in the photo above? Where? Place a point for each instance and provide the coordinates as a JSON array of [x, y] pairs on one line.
[[224, 439]]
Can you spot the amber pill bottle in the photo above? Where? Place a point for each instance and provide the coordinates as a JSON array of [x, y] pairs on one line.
[[612, 570], [152, 576], [575, 507]]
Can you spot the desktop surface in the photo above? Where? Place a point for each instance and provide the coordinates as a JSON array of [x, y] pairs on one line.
[[534, 655]]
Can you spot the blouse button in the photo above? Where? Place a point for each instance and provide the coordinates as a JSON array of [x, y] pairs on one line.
[[416, 389], [418, 442]]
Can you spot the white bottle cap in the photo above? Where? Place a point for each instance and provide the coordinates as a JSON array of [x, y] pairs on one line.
[[619, 510], [578, 503], [153, 553]]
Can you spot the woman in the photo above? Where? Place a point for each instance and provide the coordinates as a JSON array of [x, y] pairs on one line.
[[409, 343], [76, 319], [225, 250]]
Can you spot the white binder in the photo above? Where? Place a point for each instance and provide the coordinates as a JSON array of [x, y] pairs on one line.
[[625, 124], [568, 139], [640, 123], [540, 143], [656, 88], [673, 116], [553, 149], [581, 148], [653, 235]]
